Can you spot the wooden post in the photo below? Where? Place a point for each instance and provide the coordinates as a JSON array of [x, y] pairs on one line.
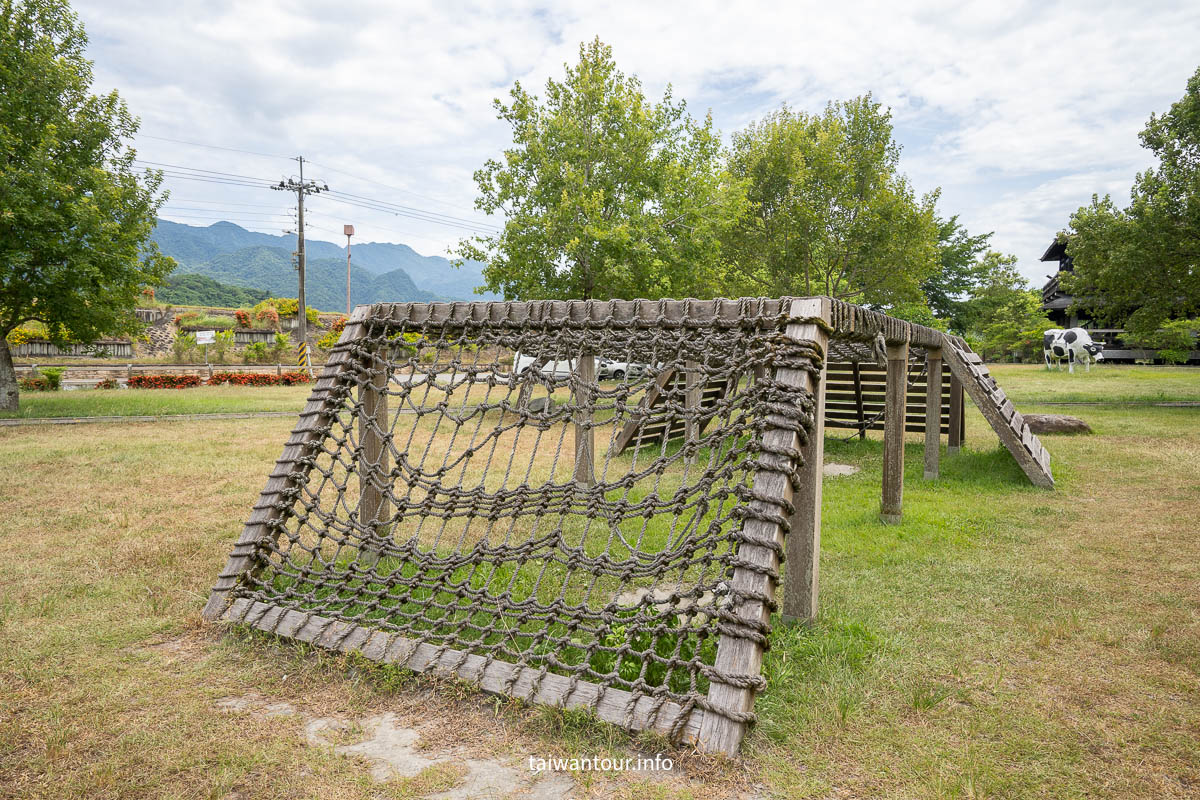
[[891, 509], [954, 439], [694, 394], [585, 434], [802, 579], [933, 411], [858, 400], [373, 468], [736, 655]]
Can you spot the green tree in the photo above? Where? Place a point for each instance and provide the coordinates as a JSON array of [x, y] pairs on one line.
[[828, 210], [75, 218], [603, 194], [1003, 315], [958, 272], [1140, 266]]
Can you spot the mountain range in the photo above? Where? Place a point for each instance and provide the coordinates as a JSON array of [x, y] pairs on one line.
[[379, 271]]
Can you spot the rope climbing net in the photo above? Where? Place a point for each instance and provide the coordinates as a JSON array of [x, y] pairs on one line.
[[454, 498]]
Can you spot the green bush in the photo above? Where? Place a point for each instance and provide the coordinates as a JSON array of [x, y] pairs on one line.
[[53, 376], [183, 346], [222, 344], [195, 319], [255, 353], [286, 307], [1174, 340], [281, 345]]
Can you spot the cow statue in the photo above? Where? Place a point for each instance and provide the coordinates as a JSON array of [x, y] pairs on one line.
[[1071, 345]]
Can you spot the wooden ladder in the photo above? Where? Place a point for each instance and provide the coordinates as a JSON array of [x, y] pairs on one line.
[[649, 428], [966, 365]]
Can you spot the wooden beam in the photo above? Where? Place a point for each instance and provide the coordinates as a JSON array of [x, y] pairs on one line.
[[373, 426], [585, 434], [954, 439], [693, 395], [802, 580], [293, 460], [617, 706], [891, 508], [858, 400], [743, 656], [933, 411], [640, 417]]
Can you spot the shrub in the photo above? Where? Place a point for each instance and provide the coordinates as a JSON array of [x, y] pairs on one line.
[[222, 343], [1174, 340], [183, 346], [163, 381], [258, 378], [255, 353], [53, 376], [330, 338], [108, 383], [269, 317], [286, 307], [243, 318], [34, 383], [195, 319], [19, 336], [282, 343]]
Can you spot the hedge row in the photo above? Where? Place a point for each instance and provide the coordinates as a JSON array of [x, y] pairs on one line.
[[163, 381], [218, 378], [258, 378]]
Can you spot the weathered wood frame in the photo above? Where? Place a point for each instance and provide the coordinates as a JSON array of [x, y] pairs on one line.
[[711, 731]]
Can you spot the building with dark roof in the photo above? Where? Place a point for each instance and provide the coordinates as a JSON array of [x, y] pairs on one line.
[[1056, 302]]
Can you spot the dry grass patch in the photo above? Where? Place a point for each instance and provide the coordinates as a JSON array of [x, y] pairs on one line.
[[1002, 642]]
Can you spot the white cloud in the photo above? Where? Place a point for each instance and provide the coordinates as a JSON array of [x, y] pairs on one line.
[[1020, 111]]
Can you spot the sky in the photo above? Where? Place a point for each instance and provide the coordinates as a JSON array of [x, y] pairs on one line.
[[1018, 111]]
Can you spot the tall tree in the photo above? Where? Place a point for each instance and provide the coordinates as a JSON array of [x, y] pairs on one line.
[[1140, 266], [74, 216], [960, 271], [829, 211], [603, 194], [1003, 314]]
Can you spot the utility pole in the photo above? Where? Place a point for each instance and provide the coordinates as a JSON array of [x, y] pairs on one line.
[[349, 231], [302, 188]]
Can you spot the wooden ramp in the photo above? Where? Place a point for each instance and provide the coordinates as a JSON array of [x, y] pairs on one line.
[[655, 422], [998, 410]]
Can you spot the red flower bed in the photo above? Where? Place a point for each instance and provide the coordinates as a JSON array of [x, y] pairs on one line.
[[163, 381], [258, 378]]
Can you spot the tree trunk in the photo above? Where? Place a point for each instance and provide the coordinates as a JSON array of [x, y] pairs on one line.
[[8, 379]]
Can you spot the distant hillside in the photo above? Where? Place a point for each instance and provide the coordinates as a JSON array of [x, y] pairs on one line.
[[270, 269], [193, 246], [190, 289]]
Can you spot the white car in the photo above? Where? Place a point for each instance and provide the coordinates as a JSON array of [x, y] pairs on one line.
[[617, 370], [556, 369]]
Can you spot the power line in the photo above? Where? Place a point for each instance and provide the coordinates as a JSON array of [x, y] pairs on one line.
[[415, 210], [218, 211], [216, 147], [411, 215], [347, 198], [198, 169], [221, 202], [446, 203]]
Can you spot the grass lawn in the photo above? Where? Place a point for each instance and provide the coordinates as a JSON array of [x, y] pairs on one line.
[[1112, 383], [147, 402], [1003, 641]]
